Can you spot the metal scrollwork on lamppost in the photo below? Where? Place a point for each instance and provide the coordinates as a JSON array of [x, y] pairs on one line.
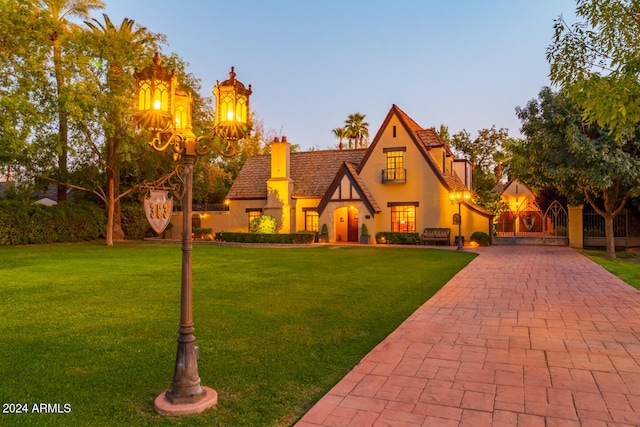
[[165, 111], [459, 197]]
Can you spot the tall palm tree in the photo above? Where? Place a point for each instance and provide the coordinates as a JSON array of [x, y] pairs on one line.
[[340, 133], [60, 12], [111, 37], [358, 129]]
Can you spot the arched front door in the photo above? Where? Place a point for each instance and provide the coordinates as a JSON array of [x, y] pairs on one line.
[[346, 224], [353, 224]]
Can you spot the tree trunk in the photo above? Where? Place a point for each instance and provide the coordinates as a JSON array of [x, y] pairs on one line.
[[609, 236], [118, 232], [110, 209]]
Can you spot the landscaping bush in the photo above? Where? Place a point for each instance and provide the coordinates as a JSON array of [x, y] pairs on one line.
[[303, 237], [201, 233], [134, 222], [29, 223], [252, 237], [264, 224], [397, 238], [481, 238]]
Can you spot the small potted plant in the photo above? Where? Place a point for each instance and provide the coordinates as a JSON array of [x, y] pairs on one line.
[[323, 237], [364, 235]]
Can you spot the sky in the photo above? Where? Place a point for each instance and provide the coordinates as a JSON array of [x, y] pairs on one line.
[[465, 64]]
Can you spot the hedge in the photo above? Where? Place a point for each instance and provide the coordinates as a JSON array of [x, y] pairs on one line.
[[397, 238], [29, 223], [298, 238]]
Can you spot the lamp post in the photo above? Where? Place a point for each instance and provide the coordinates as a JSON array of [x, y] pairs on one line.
[[165, 111], [459, 197]]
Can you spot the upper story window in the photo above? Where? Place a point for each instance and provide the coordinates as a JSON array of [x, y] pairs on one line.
[[395, 171]]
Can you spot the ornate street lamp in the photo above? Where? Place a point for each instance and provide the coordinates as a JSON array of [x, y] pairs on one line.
[[165, 111], [459, 197]]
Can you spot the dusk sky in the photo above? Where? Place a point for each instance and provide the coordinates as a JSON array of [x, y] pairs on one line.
[[466, 64]]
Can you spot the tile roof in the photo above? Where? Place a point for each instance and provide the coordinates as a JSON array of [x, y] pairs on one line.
[[311, 172]]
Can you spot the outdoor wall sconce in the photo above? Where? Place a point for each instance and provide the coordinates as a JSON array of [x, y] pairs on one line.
[[165, 111], [459, 197]]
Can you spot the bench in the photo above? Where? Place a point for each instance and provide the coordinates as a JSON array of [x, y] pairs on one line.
[[436, 235]]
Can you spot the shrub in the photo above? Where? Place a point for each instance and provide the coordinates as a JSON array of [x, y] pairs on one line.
[[303, 237], [134, 222], [252, 237], [200, 233], [481, 238], [264, 224], [69, 221], [364, 231], [398, 238], [324, 230]]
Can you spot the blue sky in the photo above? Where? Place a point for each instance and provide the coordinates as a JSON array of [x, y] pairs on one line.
[[463, 63]]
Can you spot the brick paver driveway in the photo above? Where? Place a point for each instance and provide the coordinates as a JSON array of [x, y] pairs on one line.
[[524, 335]]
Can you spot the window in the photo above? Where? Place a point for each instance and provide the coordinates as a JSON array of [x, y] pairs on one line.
[[395, 171], [403, 219], [253, 214], [311, 221]]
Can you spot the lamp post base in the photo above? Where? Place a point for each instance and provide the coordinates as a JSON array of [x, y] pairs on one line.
[[165, 408]]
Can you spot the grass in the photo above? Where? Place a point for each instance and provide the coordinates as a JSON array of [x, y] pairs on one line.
[[94, 327], [626, 265]]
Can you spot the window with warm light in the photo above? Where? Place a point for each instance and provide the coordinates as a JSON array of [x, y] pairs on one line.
[[395, 171], [403, 219], [253, 214], [311, 221]]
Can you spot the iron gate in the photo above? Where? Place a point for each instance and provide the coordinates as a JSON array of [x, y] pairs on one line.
[[528, 225]]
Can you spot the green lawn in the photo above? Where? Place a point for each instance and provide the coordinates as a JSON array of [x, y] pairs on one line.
[[94, 327], [626, 266]]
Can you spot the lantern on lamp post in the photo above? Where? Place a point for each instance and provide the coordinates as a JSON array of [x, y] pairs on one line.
[[459, 197], [165, 111]]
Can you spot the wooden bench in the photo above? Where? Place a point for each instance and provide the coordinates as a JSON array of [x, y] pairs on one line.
[[436, 235]]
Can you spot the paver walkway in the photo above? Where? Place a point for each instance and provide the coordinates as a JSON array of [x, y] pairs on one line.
[[524, 335]]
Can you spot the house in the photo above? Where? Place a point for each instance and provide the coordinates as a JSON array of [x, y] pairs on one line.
[[402, 183], [523, 214]]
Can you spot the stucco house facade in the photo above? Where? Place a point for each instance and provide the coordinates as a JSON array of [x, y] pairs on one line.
[[401, 182]]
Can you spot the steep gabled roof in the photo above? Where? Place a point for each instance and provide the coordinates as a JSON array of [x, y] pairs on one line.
[[349, 170], [311, 173], [425, 140]]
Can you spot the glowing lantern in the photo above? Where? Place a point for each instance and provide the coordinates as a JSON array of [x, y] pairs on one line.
[[232, 108]]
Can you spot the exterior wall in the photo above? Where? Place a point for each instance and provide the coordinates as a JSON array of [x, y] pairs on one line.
[[238, 217], [298, 216], [215, 220], [515, 194], [422, 186]]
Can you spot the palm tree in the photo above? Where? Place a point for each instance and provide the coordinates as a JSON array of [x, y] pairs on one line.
[[340, 133], [358, 129], [60, 11], [108, 42]]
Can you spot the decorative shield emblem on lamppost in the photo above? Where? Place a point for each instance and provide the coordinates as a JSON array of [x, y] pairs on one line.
[[158, 207]]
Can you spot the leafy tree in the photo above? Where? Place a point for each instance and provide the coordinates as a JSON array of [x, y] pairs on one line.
[[486, 154], [597, 62], [24, 89], [102, 94], [60, 13], [357, 130], [583, 161]]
